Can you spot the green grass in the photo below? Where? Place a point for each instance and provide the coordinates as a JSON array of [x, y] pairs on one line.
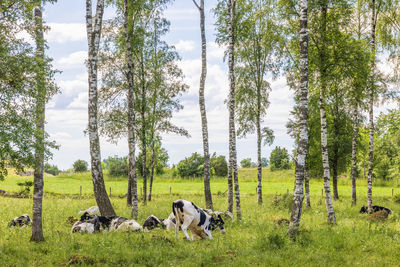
[[257, 240]]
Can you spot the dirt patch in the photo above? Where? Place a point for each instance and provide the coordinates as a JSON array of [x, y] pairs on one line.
[[381, 216], [80, 259]]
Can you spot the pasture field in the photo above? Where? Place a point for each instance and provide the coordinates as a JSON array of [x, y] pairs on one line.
[[258, 240]]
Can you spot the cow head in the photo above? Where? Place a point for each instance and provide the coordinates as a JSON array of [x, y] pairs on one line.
[[217, 222], [86, 216], [364, 209]]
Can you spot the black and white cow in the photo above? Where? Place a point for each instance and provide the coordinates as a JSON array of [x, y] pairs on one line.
[[189, 216], [93, 223], [364, 209], [153, 222], [21, 221], [92, 210]]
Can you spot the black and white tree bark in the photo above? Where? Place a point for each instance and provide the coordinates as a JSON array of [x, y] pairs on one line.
[[204, 127], [371, 105], [324, 139], [303, 135], [37, 228], [93, 27], [354, 172], [307, 185], [232, 171], [132, 198]]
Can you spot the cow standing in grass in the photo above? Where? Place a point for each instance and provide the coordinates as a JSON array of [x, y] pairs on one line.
[[189, 216]]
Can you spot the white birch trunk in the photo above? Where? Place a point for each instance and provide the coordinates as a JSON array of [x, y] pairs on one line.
[[132, 198], [354, 157], [94, 34], [37, 228], [303, 136], [231, 105], [204, 127], [371, 108]]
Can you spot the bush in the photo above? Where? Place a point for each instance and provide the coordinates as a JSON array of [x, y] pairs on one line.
[[191, 166], [118, 166], [25, 187], [194, 166], [52, 169], [279, 159], [160, 160], [246, 163], [80, 166], [219, 164]]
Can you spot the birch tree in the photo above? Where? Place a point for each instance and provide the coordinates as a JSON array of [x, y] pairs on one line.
[[204, 129], [93, 27], [37, 228], [303, 136], [232, 172], [256, 55], [132, 198]]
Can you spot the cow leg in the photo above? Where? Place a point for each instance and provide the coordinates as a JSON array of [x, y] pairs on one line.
[[177, 226], [188, 221], [208, 233]]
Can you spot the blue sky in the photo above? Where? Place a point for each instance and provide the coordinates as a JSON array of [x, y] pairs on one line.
[[66, 113]]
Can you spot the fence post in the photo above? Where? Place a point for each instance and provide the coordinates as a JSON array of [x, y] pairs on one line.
[[80, 191]]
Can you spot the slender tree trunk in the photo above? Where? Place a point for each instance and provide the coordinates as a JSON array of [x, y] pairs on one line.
[[231, 116], [204, 127], [231, 104], [94, 35], [144, 150], [324, 142], [371, 109], [132, 199], [354, 157], [152, 167], [335, 171], [303, 136], [259, 168], [37, 229], [307, 186]]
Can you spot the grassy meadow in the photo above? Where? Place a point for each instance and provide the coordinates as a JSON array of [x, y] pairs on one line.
[[257, 240]]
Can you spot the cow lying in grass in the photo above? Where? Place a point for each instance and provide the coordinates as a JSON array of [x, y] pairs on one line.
[[364, 209], [21, 221], [189, 216], [93, 223], [153, 222]]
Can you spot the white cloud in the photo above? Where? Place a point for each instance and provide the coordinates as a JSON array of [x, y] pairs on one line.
[[73, 60], [183, 46], [72, 88], [215, 51], [182, 13], [66, 32], [81, 102]]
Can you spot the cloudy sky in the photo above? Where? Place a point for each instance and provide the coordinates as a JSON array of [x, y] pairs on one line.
[[67, 112]]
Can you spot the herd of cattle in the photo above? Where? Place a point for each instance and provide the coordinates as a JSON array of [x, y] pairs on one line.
[[185, 215]]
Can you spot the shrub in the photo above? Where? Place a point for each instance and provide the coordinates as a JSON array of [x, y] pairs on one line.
[[80, 166], [160, 160], [52, 169], [219, 164], [118, 166], [25, 187], [245, 163], [279, 159], [191, 166]]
